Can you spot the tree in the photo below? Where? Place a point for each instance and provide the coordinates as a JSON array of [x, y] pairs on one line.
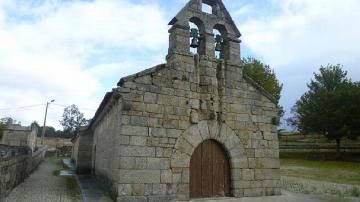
[[2, 127], [49, 132], [72, 119], [330, 107], [264, 76]]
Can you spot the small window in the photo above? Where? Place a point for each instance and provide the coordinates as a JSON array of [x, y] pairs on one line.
[[206, 8]]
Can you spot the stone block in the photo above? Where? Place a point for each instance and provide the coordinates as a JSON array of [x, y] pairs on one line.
[[242, 184], [164, 198], [248, 174], [134, 130], [185, 176], [171, 123], [252, 162], [236, 174], [239, 162], [166, 176], [139, 176], [124, 190], [127, 162], [138, 121], [132, 199], [124, 140], [268, 163], [138, 189], [271, 183], [138, 140], [150, 98], [137, 151], [254, 192], [158, 132], [154, 108], [158, 163], [159, 189], [140, 163]]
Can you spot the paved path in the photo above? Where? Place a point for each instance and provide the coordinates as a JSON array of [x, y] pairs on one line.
[[92, 191], [44, 186], [285, 197]]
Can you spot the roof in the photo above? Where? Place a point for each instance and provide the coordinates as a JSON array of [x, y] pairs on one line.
[[260, 89], [142, 73]]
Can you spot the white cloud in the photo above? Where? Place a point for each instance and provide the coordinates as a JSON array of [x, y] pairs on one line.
[[45, 54], [306, 29], [303, 35]]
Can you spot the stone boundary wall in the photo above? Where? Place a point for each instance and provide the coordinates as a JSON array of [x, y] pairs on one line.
[[15, 170], [319, 149]]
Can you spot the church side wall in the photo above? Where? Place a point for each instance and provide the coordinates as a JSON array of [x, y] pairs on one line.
[[105, 145]]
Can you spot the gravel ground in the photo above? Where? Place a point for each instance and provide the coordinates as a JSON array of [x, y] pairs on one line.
[[285, 197], [43, 186]]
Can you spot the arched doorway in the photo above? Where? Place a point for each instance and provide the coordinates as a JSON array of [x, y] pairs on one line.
[[209, 171]]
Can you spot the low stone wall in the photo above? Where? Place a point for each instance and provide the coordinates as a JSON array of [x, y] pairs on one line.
[[14, 170], [307, 186]]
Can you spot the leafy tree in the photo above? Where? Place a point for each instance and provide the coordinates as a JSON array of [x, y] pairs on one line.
[[2, 127], [72, 119], [264, 76], [50, 131], [331, 106]]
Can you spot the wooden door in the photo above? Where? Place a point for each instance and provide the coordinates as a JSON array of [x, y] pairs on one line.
[[209, 171]]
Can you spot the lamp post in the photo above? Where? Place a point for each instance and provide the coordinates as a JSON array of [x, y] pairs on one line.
[[44, 127]]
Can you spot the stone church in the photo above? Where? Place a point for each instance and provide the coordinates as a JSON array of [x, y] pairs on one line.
[[195, 127]]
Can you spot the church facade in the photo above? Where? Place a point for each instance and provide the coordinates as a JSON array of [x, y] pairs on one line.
[[195, 127]]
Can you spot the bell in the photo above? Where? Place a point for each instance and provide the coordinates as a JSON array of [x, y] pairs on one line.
[[194, 43], [218, 46]]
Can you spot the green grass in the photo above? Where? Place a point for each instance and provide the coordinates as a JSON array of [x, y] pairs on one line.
[[56, 172], [72, 186], [71, 183], [330, 171]]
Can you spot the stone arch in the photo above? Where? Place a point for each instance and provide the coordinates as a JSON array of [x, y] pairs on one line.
[[201, 26], [194, 136]]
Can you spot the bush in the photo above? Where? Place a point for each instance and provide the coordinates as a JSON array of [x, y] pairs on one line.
[[355, 192]]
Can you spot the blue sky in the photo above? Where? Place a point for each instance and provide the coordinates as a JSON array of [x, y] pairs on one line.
[[76, 51]]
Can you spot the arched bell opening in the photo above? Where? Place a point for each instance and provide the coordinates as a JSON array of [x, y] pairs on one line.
[[221, 45], [197, 39], [209, 171]]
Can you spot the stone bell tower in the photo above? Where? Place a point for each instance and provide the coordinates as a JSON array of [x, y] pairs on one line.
[[206, 72]]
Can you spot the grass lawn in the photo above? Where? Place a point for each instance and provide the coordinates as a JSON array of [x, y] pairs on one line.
[[330, 171]]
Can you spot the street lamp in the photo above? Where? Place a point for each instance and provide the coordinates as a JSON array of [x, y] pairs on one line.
[[44, 128]]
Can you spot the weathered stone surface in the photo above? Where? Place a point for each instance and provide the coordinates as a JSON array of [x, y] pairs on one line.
[[150, 98], [133, 151], [138, 189], [138, 140], [134, 130], [124, 189], [166, 176], [158, 163], [159, 189], [139, 176], [268, 163], [131, 199]]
